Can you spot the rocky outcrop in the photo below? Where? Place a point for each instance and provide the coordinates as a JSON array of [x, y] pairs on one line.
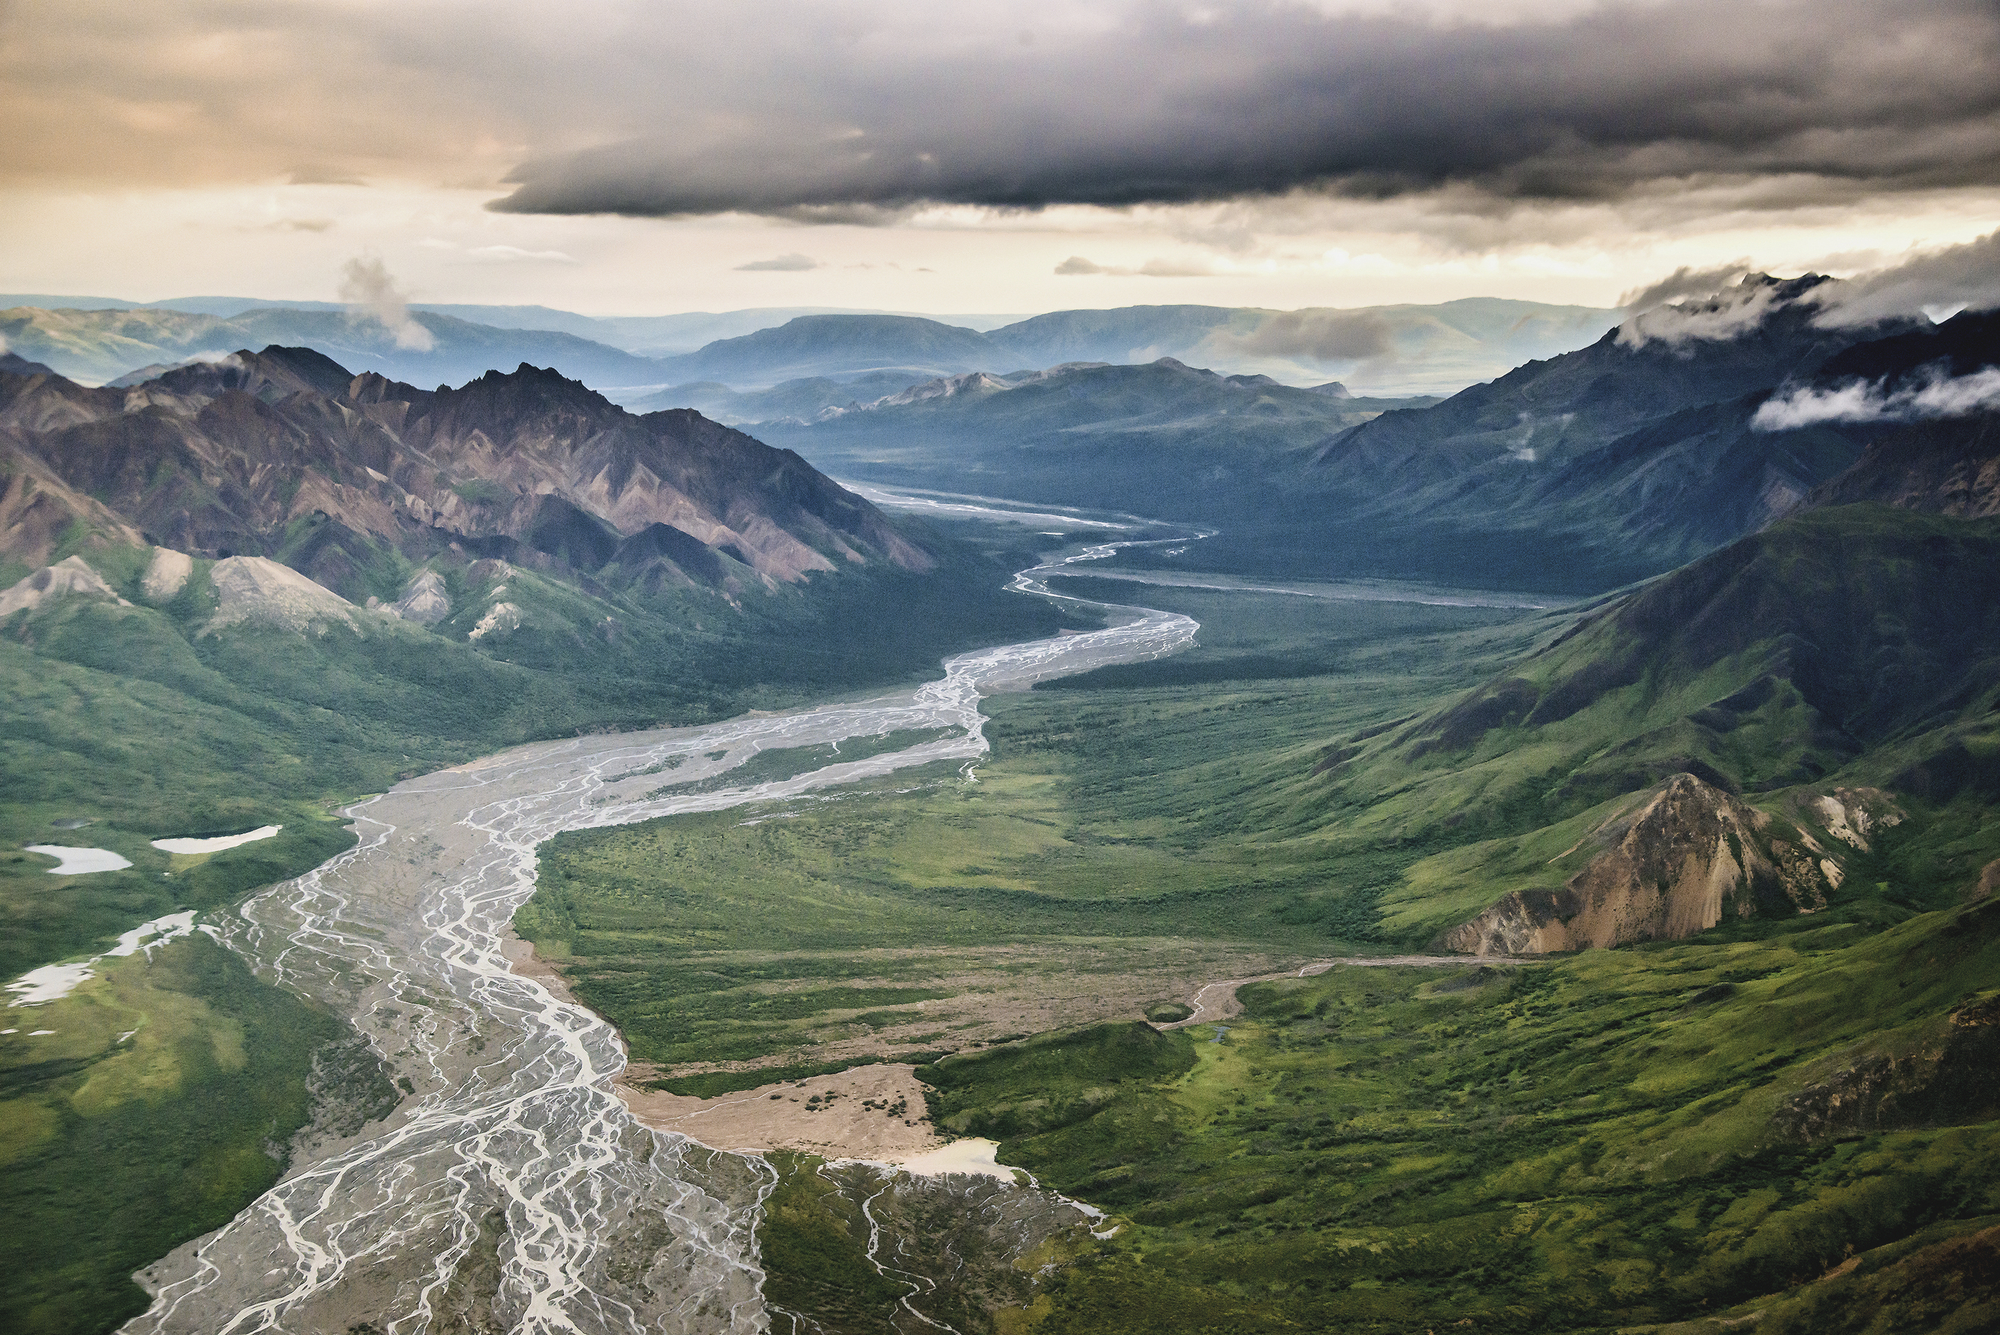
[[424, 599], [1951, 1076], [69, 575], [166, 574], [1675, 865], [1855, 815], [500, 619]]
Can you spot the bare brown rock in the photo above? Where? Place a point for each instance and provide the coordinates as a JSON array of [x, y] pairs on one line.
[[1671, 867]]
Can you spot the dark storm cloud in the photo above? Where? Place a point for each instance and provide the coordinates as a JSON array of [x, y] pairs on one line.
[[1826, 101]]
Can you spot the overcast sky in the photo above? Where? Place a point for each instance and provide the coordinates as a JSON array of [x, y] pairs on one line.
[[645, 158]]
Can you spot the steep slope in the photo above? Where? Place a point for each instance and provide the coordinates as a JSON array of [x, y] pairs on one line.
[[1630, 456], [1947, 459]]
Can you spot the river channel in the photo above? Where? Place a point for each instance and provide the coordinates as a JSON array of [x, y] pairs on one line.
[[510, 1189]]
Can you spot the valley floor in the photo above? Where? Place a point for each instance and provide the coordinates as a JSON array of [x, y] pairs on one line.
[[1786, 1122]]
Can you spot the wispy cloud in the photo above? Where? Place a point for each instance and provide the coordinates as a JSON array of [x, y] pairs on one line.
[[371, 294], [1955, 278], [516, 255], [1078, 265], [791, 263], [1719, 314], [1863, 401]]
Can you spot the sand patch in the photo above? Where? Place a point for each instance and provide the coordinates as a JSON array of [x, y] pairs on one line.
[[191, 847], [874, 1113], [522, 959], [72, 574], [971, 1155], [251, 588], [79, 861]]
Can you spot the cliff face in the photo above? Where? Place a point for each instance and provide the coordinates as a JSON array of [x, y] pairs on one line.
[[1683, 859]]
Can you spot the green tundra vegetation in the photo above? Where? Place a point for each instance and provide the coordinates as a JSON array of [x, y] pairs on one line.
[[1108, 828], [1788, 1114], [148, 1114]]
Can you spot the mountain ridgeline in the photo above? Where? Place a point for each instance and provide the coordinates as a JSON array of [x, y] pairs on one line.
[[1575, 474], [1400, 349], [284, 454], [1737, 738]]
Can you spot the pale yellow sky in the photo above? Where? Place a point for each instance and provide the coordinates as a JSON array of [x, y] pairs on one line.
[[287, 241]]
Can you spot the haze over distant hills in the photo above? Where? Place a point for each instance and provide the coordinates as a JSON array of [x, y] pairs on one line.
[[427, 349], [1381, 350], [1616, 461]]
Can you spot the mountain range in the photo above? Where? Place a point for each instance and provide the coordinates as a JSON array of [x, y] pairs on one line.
[[430, 349], [1395, 349], [285, 454], [1392, 349], [1577, 473]]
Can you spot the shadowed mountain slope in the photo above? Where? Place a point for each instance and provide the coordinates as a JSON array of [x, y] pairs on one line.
[[1848, 655]]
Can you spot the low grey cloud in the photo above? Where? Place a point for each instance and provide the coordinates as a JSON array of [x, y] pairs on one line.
[[1723, 312], [1720, 303], [371, 294], [1861, 401], [1686, 283], [1955, 278], [789, 263], [1322, 335]]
